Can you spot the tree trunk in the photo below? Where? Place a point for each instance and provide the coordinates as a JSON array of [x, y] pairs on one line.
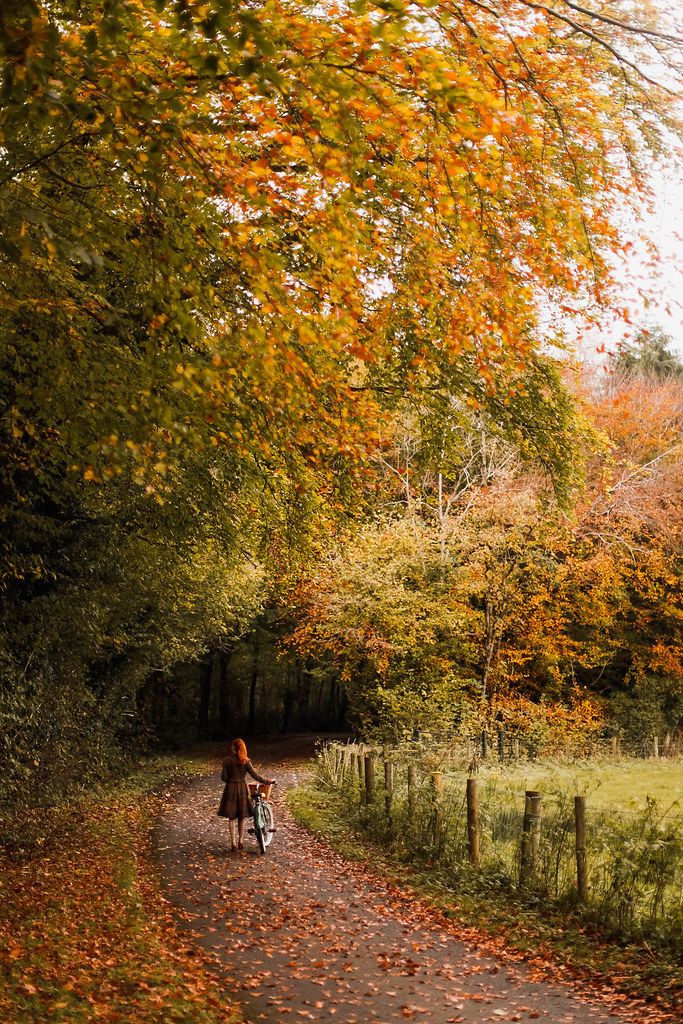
[[223, 697], [251, 721], [342, 708], [158, 704], [287, 700], [332, 705], [150, 699], [493, 612], [205, 674]]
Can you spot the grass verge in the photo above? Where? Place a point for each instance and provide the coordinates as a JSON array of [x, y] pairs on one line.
[[546, 937], [85, 934]]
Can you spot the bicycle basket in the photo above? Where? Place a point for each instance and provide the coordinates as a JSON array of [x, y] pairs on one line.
[[259, 787]]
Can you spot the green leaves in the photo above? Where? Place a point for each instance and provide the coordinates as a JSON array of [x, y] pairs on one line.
[[91, 40]]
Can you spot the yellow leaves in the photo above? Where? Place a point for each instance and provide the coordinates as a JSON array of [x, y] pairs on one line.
[[387, 156], [14, 951], [484, 181]]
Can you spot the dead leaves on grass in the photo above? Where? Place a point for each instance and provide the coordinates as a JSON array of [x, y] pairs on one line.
[[84, 935]]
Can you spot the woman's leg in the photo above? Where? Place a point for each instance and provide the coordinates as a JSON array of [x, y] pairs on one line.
[[240, 824], [231, 826]]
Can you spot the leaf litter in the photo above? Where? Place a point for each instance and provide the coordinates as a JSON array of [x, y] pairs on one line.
[[303, 923]]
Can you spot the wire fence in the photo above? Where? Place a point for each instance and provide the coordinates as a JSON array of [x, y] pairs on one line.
[[506, 745], [617, 868]]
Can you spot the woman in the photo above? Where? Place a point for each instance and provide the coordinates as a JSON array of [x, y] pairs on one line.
[[235, 800]]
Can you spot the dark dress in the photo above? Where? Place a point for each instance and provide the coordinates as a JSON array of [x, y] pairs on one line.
[[235, 800]]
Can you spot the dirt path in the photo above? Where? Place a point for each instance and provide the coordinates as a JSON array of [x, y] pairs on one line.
[[302, 934]]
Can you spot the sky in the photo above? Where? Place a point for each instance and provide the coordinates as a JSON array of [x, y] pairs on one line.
[[667, 232], [665, 225], [652, 295]]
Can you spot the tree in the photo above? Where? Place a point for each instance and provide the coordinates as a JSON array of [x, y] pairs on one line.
[[316, 212], [234, 240], [649, 354], [632, 512], [472, 574]]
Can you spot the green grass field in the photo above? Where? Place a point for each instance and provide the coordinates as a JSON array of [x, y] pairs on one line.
[[623, 785]]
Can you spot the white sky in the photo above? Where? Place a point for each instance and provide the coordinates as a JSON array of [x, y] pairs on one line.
[[663, 304], [667, 232], [653, 295]]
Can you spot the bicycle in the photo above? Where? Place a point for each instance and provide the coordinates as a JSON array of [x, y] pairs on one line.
[[262, 811]]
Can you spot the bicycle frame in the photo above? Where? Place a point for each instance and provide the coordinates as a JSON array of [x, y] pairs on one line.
[[262, 812]]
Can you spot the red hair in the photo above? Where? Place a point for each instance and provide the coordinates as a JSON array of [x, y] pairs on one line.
[[239, 749]]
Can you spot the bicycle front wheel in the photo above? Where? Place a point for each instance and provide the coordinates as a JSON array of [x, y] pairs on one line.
[[268, 821], [260, 837]]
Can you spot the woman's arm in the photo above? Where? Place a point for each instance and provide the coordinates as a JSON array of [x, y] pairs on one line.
[[255, 775]]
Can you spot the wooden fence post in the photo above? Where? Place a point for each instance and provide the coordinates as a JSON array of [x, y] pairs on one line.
[[531, 837], [361, 775], [412, 786], [515, 748], [501, 744], [473, 822], [369, 778], [580, 832], [388, 786], [437, 806], [655, 747]]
